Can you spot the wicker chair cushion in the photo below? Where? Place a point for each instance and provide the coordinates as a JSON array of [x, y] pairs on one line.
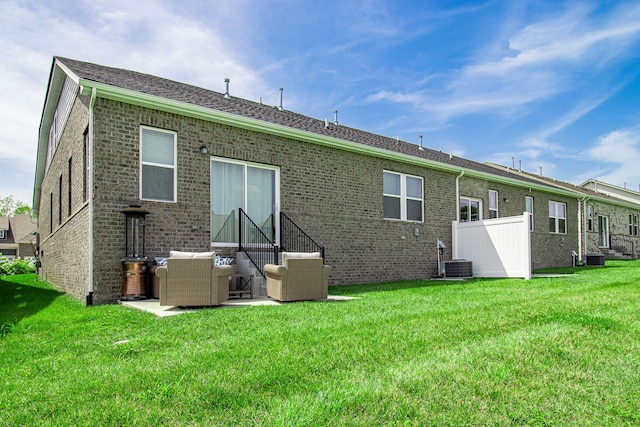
[[299, 255], [191, 255]]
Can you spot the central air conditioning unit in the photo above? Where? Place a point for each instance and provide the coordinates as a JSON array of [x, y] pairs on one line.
[[594, 260], [457, 268]]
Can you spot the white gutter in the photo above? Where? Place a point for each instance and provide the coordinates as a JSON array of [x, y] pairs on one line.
[[454, 235], [205, 113], [90, 195]]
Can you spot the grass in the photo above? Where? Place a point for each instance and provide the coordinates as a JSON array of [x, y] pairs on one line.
[[560, 351]]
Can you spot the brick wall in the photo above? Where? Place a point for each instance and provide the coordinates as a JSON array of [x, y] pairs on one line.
[[618, 218], [334, 195], [548, 250], [65, 246]]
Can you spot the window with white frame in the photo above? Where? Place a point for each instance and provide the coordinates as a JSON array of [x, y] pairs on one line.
[[157, 165], [493, 204], [470, 209], [403, 196], [557, 217], [252, 187], [589, 218], [633, 224], [528, 207], [2, 235]]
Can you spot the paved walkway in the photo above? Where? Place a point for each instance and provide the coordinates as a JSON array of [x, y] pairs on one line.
[[152, 305]]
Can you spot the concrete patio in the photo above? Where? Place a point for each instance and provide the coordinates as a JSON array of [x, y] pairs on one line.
[[152, 305]]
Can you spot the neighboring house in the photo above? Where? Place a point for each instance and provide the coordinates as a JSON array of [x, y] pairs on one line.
[[553, 230], [608, 216], [17, 237], [612, 190], [191, 157]]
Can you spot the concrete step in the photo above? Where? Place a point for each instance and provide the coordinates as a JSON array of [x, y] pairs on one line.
[[245, 266]]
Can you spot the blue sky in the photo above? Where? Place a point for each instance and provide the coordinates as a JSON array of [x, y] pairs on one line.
[[543, 84]]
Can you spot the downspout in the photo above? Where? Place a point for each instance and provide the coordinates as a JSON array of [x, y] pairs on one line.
[[458, 195], [582, 229], [454, 235], [90, 196]]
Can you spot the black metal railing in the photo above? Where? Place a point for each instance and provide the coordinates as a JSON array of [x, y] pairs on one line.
[[623, 245], [294, 239], [255, 244]]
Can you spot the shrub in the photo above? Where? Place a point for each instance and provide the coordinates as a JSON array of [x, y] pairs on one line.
[[17, 266]]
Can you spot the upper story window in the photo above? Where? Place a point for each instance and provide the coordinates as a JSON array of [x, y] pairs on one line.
[[157, 165], [493, 204], [557, 217], [633, 225], [528, 207], [403, 196], [3, 235], [470, 209]]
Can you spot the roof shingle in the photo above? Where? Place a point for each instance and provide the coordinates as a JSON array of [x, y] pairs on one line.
[[169, 89]]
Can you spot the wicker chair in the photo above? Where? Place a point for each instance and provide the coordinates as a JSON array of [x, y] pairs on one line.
[[193, 282], [302, 277]]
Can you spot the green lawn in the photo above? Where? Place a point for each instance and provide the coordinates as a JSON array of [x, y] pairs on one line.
[[545, 352]]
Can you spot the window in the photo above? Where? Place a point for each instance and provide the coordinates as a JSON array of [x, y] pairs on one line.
[[402, 196], [69, 189], [589, 218], [528, 207], [493, 204], [633, 225], [2, 234], [157, 165], [50, 212], [470, 209], [557, 217], [60, 201], [252, 187]]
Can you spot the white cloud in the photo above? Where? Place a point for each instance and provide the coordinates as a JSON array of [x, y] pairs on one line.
[[147, 36], [620, 149], [544, 57]]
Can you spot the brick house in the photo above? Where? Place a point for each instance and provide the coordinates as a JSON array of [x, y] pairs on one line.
[[17, 237], [110, 138], [608, 216]]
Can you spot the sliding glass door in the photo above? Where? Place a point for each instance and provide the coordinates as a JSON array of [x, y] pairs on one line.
[[240, 185]]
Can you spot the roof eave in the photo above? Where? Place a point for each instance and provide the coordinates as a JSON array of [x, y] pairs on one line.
[[195, 111], [57, 76]]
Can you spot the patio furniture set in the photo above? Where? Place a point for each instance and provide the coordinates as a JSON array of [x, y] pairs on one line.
[[192, 279]]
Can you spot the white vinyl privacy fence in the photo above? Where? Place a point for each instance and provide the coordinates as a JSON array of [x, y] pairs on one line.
[[497, 247]]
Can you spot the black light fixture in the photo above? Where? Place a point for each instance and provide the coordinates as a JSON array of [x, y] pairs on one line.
[[204, 149]]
